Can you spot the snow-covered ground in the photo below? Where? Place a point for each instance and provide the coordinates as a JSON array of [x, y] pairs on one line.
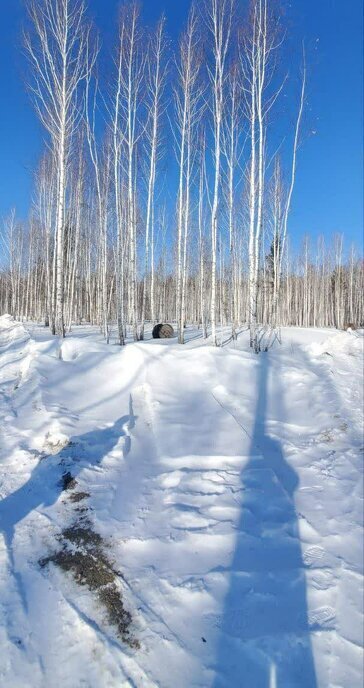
[[226, 488]]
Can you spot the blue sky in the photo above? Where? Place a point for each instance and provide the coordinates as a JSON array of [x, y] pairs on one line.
[[328, 196]]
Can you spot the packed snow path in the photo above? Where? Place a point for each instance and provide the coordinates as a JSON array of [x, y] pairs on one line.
[[227, 490]]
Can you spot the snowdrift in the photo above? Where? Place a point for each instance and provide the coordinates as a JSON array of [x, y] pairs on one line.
[[11, 332], [214, 496], [343, 343]]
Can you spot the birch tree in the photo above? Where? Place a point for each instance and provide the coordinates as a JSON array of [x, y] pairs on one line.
[[131, 76], [232, 149], [258, 46], [220, 17], [188, 94], [58, 50], [44, 208], [100, 159], [117, 140], [291, 185], [155, 85]]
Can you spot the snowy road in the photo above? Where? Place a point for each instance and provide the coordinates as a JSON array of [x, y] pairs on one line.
[[226, 488]]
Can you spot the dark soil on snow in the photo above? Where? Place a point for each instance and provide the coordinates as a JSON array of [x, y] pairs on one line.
[[78, 496], [68, 482], [82, 555]]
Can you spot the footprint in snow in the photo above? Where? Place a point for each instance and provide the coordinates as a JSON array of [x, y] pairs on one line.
[[322, 580], [313, 555], [323, 617]]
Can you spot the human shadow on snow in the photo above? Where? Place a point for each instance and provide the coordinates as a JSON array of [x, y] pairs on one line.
[[264, 635]]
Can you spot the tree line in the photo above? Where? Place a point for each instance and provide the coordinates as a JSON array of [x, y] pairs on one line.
[[111, 237]]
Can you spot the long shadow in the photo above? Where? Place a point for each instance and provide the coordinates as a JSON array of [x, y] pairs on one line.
[[44, 485], [264, 639]]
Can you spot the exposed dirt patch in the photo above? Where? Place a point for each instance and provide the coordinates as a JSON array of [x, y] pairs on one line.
[[68, 482], [118, 616], [82, 536], [86, 569], [78, 496], [82, 555], [81, 510]]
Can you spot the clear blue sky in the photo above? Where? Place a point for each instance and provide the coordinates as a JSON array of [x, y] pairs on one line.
[[329, 192]]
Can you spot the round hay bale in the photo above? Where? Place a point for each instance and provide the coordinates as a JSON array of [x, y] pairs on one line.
[[166, 332], [155, 332], [163, 331]]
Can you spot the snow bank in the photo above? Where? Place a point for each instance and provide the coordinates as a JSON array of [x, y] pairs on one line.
[[11, 331], [348, 343]]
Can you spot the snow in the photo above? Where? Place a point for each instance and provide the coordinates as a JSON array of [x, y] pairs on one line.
[[227, 488]]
